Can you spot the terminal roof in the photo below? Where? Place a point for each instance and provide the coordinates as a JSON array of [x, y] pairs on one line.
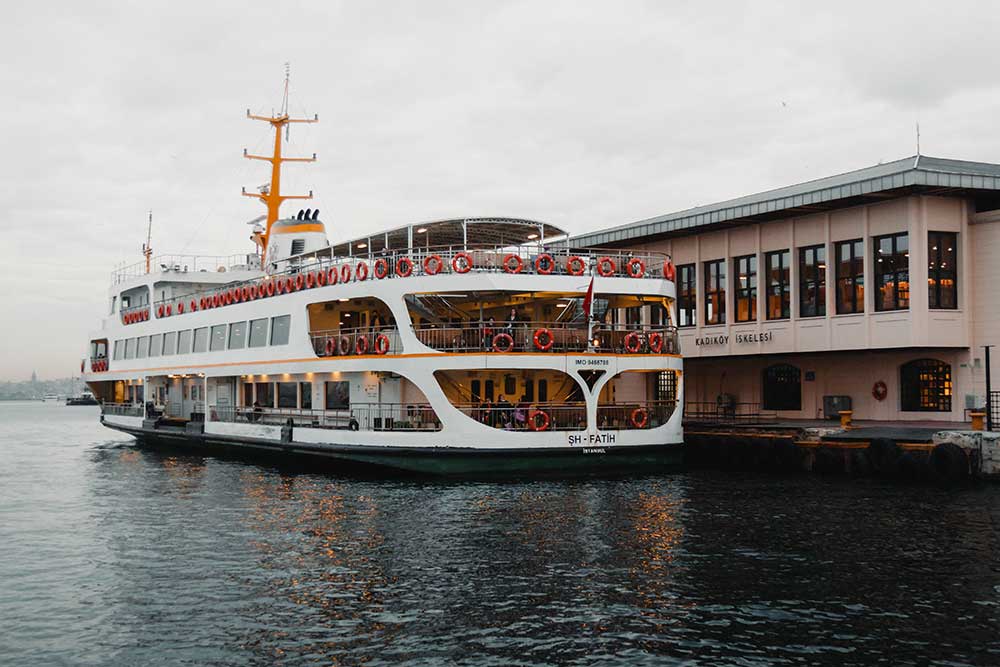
[[917, 174], [454, 232]]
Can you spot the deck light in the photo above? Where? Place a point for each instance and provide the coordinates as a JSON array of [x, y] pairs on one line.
[[362, 246], [421, 230], [532, 237]]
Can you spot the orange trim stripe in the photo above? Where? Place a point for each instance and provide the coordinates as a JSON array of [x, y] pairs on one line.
[[295, 229]]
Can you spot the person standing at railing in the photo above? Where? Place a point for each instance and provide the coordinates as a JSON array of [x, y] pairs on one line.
[[503, 410], [488, 328]]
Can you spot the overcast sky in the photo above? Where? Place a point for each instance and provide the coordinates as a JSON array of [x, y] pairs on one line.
[[585, 114]]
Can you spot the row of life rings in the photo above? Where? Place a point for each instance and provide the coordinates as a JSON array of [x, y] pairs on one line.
[[136, 316], [97, 366], [342, 345]]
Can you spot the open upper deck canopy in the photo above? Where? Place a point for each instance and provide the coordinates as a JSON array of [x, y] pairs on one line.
[[469, 232]]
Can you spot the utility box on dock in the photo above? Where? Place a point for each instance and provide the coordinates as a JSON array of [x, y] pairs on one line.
[[833, 405]]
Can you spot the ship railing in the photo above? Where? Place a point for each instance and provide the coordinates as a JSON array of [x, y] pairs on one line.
[[552, 337], [354, 341], [726, 411], [188, 264], [586, 262], [634, 415], [355, 417], [122, 409], [528, 416]]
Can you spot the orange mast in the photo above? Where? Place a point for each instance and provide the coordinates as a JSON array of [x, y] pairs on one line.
[[271, 195]]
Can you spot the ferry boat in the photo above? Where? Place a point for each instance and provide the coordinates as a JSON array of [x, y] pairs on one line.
[[474, 345]]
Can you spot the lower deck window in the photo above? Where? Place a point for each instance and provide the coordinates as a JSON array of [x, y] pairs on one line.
[[338, 395], [288, 395]]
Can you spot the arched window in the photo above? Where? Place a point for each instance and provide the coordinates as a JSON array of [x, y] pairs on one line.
[[782, 387], [925, 386]]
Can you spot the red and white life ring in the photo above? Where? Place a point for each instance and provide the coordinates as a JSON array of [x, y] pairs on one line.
[[639, 418], [194, 306], [361, 345], [180, 308], [404, 267], [344, 345], [606, 266], [159, 310], [310, 280], [632, 342], [331, 347], [543, 339], [669, 272], [332, 276], [361, 272], [271, 287], [635, 267], [512, 263], [433, 265], [575, 265], [880, 391], [538, 420], [503, 342], [320, 278], [300, 282], [656, 342], [381, 268], [461, 262], [549, 264], [381, 344]]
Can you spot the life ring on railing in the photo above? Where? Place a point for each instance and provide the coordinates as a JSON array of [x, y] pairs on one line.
[[361, 345], [254, 292], [434, 261], [503, 342], [606, 266], [332, 276], [320, 278], [194, 306], [344, 345], [145, 314], [159, 311], [635, 267], [512, 263], [271, 287], [345, 273], [289, 285], [361, 272], [465, 265], [170, 310], [656, 342], [381, 344], [246, 293], [380, 268], [575, 266], [540, 333], [237, 295], [639, 418], [550, 264], [180, 308], [228, 298], [404, 267], [331, 347], [538, 420], [632, 342], [669, 272], [310, 280], [300, 282], [879, 391], [202, 303]]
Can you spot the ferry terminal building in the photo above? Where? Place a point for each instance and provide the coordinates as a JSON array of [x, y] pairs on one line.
[[874, 290]]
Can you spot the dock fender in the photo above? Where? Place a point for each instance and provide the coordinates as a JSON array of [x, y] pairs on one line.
[[884, 455], [949, 463]]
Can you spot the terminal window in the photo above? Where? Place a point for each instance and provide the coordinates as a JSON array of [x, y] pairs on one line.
[[776, 267], [850, 276], [812, 281], [746, 288], [942, 269], [686, 296], [925, 386], [715, 292], [892, 272]]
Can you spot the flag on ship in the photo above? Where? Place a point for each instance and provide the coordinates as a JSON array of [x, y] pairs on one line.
[[589, 299]]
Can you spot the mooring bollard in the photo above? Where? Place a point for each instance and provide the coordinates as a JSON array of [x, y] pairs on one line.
[[977, 420], [845, 418]]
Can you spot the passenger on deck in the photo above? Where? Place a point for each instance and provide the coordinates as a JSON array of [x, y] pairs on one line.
[[503, 410], [257, 412], [512, 319], [489, 328]]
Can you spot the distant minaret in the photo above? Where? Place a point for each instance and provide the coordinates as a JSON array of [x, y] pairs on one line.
[[34, 377]]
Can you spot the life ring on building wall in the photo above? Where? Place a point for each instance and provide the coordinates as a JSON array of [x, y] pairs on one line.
[[361, 345], [433, 265], [632, 342], [404, 267], [381, 344], [331, 347], [512, 263], [669, 272], [635, 267], [639, 418], [381, 268], [606, 266], [550, 264], [462, 266], [656, 342], [543, 339], [575, 266], [538, 420], [361, 273], [503, 342], [879, 391], [344, 345]]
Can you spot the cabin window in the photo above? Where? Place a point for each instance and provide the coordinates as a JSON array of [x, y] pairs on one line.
[[475, 387], [942, 270], [489, 390], [782, 387], [247, 394], [155, 345], [529, 390], [509, 385], [169, 343], [265, 394], [218, 337], [200, 339], [686, 296], [338, 395], [142, 347], [715, 292], [776, 266], [288, 395], [184, 339], [892, 272], [665, 388], [543, 391], [306, 392], [850, 277], [812, 281], [237, 335], [118, 350], [258, 332], [279, 329], [130, 348], [746, 288], [925, 386]]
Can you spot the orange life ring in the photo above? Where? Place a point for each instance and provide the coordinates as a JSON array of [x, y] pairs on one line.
[[549, 339], [331, 347], [606, 266], [506, 339], [300, 282], [270, 288], [639, 418], [381, 344], [361, 273], [512, 263], [310, 280], [237, 295], [656, 342], [254, 292], [549, 261], [635, 267], [404, 267], [344, 345], [880, 391], [332, 276], [320, 278], [632, 342], [538, 420], [289, 285], [669, 272], [361, 345], [437, 264], [159, 310], [381, 269], [345, 273], [246, 292], [575, 266], [465, 265]]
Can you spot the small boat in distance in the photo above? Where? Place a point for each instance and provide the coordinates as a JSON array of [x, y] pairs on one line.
[[482, 345], [85, 398]]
